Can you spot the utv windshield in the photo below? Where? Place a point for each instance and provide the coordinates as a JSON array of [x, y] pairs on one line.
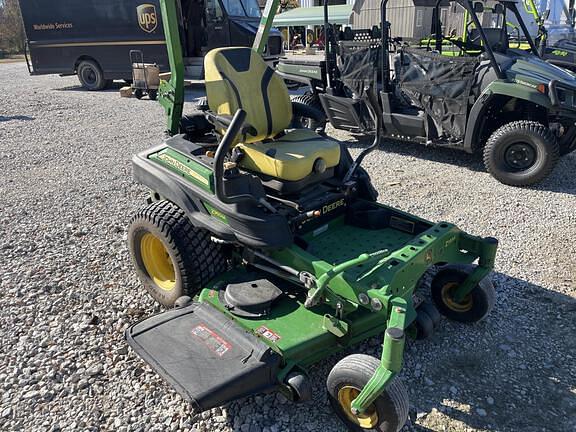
[[242, 8]]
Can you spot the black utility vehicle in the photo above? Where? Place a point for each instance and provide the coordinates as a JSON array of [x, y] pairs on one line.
[[93, 38]]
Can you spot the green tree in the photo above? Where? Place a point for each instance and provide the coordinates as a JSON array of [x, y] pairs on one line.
[[11, 30]]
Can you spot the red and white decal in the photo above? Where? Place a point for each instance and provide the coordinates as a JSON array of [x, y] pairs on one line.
[[268, 334], [213, 341]]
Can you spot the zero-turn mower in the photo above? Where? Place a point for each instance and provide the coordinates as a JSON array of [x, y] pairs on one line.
[[269, 244]]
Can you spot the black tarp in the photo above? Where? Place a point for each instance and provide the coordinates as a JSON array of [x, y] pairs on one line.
[[359, 65], [441, 86]]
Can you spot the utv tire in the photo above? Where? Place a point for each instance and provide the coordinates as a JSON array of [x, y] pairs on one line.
[[153, 94], [309, 113], [388, 413], [172, 257], [138, 94], [91, 76], [476, 306], [521, 153]]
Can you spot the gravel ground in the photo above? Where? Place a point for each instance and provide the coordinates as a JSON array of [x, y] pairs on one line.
[[67, 289]]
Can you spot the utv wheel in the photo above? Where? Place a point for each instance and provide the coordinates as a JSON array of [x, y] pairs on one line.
[[309, 113], [474, 307], [153, 94], [91, 76], [172, 257], [388, 413], [138, 94], [521, 153]]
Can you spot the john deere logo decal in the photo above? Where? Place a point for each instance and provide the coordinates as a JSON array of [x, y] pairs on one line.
[[147, 17]]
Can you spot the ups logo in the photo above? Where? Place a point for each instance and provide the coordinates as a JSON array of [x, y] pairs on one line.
[[147, 17]]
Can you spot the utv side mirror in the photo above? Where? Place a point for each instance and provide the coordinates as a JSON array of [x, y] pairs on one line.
[[478, 7], [499, 9]]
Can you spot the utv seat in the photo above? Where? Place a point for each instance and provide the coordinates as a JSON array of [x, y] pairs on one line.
[[238, 78]]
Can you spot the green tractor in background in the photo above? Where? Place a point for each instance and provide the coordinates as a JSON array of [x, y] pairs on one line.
[[486, 96], [269, 246]]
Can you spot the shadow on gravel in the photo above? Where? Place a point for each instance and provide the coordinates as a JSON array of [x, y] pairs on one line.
[[512, 372], [560, 180], [114, 87], [16, 118]]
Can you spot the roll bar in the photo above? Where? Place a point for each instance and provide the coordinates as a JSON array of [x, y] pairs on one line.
[[223, 148]]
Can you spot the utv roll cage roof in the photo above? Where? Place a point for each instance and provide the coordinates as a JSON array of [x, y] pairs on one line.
[[472, 8]]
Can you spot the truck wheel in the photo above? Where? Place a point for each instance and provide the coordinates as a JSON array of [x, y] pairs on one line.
[[521, 153], [172, 257], [388, 413], [311, 114], [475, 307], [91, 76]]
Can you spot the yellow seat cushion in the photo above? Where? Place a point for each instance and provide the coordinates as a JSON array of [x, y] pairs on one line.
[[290, 157]]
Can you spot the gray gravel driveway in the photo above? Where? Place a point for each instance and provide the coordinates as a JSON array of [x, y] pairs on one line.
[[67, 289]]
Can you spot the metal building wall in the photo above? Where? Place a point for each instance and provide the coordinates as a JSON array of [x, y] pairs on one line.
[[400, 14]]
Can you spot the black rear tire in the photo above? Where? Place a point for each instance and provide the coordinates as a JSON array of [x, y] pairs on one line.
[[312, 118], [91, 76], [521, 153], [153, 94], [389, 411], [185, 259], [138, 94]]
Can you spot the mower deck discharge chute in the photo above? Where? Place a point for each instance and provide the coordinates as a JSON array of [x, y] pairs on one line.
[[269, 242]]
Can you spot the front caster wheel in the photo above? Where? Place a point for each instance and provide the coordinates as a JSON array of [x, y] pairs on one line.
[[474, 307], [521, 153], [423, 325], [172, 257], [388, 413]]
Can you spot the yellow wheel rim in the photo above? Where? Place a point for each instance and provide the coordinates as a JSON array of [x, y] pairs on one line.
[[368, 419], [157, 262], [448, 298]]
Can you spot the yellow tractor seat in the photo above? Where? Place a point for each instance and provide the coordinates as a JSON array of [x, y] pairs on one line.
[[292, 157], [238, 78]]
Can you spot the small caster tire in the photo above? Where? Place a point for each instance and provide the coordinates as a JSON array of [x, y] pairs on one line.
[[430, 310], [300, 386], [182, 301], [388, 413], [476, 306], [424, 325]]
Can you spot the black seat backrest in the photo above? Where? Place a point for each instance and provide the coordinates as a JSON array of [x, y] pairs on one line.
[[497, 39]]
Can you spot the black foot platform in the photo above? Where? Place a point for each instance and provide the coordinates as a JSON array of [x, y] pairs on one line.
[[205, 356]]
